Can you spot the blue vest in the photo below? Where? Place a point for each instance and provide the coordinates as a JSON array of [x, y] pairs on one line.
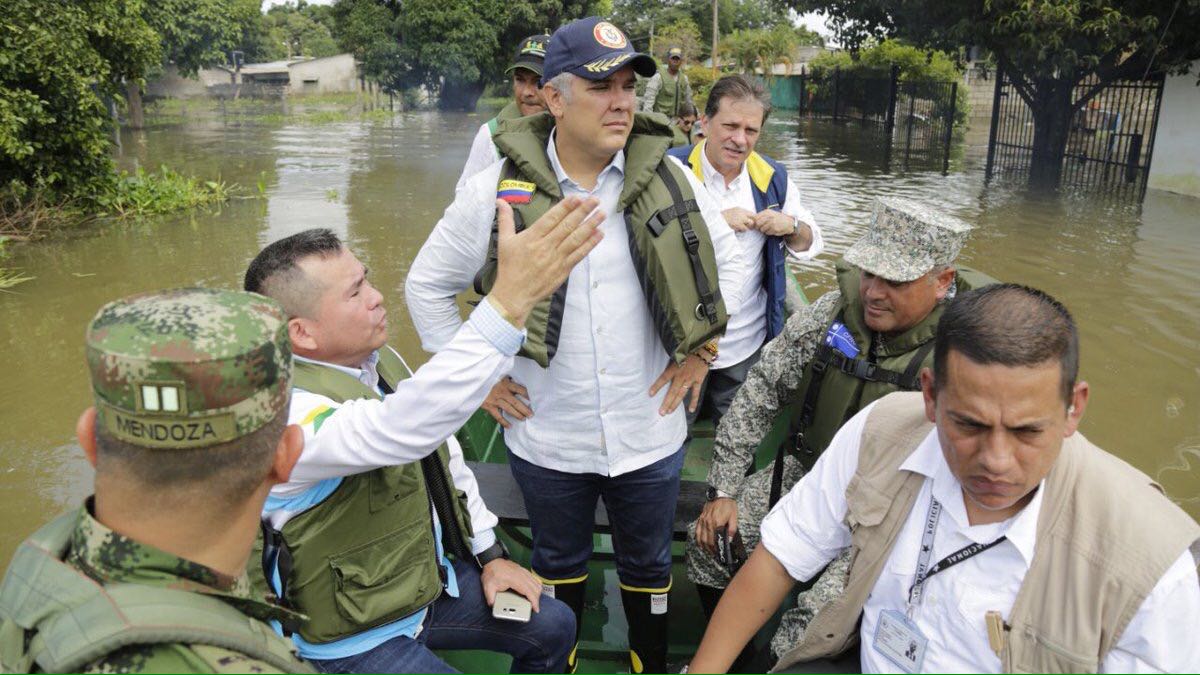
[[769, 184]]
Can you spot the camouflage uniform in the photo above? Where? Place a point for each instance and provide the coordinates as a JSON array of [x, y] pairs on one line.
[[906, 240], [176, 370]]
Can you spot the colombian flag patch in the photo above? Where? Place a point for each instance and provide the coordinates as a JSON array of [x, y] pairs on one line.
[[515, 191]]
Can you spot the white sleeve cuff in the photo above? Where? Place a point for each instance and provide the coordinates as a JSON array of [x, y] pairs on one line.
[[482, 541], [495, 329]]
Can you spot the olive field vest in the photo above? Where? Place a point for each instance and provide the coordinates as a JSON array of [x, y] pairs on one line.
[[769, 185], [509, 112], [1106, 534], [668, 238], [834, 388], [55, 617], [365, 555], [671, 93]]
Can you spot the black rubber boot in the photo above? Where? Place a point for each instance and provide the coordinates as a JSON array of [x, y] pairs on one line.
[[572, 593], [746, 661], [647, 630], [709, 597]]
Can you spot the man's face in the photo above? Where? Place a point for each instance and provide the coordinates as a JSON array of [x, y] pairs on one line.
[[1001, 429], [526, 92], [686, 122], [597, 116], [732, 133], [349, 320], [673, 64], [896, 306]]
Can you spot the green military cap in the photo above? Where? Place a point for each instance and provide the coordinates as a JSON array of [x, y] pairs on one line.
[[190, 367], [907, 239], [531, 53]]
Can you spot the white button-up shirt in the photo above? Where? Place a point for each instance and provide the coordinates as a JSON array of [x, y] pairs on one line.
[[592, 412], [806, 530], [748, 330]]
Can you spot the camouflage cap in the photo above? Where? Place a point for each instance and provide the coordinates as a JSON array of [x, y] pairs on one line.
[[907, 239], [190, 367]]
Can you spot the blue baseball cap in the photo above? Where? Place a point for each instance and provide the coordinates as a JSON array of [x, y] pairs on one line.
[[593, 49]]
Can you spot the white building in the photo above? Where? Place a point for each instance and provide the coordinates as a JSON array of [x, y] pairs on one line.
[[1175, 166]]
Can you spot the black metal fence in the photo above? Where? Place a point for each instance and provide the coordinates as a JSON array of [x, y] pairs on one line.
[[1111, 139], [916, 116]]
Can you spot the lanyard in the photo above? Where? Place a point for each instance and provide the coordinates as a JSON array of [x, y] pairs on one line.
[[924, 571]]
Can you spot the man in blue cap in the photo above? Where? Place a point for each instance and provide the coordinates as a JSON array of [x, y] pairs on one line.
[[610, 356], [526, 71]]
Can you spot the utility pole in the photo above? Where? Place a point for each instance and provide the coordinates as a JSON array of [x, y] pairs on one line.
[[714, 44], [651, 49]]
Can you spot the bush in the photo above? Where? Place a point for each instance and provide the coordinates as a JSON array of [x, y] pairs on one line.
[[702, 82]]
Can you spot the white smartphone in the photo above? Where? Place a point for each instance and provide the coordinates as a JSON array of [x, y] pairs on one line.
[[512, 607]]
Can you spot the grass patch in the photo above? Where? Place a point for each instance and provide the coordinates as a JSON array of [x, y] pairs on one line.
[[9, 277], [148, 194]]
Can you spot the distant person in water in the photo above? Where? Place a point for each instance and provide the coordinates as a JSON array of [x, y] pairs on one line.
[[526, 72]]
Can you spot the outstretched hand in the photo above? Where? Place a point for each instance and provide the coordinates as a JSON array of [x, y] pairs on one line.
[[534, 262], [686, 378]]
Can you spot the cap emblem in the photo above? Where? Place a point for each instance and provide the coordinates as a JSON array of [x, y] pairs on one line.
[[609, 35], [535, 47]]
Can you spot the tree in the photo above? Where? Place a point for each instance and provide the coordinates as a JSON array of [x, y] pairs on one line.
[[59, 61], [369, 30], [757, 48], [682, 33], [1046, 48]]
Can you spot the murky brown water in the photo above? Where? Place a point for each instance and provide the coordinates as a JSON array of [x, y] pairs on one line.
[[1130, 274]]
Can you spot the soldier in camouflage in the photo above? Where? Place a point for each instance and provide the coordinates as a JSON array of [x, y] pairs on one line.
[[868, 338], [187, 435]]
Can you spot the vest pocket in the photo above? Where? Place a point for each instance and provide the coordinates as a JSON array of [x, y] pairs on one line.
[[1042, 655], [393, 484], [386, 579]]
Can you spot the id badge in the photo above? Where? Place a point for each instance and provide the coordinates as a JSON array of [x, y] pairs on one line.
[[900, 641]]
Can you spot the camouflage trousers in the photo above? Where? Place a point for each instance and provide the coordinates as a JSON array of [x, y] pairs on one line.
[[703, 568]]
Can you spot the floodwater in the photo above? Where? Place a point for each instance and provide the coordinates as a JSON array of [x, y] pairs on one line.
[[1130, 274]]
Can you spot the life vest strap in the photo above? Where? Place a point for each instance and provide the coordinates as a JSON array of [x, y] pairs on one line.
[[707, 309]]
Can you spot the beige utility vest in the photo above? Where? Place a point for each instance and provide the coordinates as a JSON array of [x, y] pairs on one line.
[[1105, 535]]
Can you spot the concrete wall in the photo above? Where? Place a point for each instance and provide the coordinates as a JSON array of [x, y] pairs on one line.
[[1175, 166], [319, 76], [171, 85]]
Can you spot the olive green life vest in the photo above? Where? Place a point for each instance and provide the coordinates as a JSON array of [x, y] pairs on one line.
[[834, 388], [668, 238], [57, 618], [508, 112], [671, 93], [365, 555]]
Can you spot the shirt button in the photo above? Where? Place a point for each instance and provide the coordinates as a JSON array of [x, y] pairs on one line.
[[595, 284], [603, 371], [599, 330]]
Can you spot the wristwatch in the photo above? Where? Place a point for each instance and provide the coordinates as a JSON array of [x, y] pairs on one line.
[[795, 225], [487, 555], [715, 493]]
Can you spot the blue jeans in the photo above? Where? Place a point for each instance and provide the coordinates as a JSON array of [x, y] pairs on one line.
[[641, 509], [466, 622]]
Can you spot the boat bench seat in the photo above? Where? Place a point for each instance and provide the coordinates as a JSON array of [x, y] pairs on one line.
[[503, 498]]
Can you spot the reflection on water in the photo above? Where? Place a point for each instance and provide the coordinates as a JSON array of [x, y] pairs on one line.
[[1130, 273]]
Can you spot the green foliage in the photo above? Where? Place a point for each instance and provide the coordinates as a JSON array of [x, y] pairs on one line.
[[58, 61], [702, 81], [681, 33], [199, 33], [145, 194], [761, 48], [636, 16]]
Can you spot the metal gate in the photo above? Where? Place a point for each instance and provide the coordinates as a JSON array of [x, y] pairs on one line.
[[1111, 139], [916, 117]]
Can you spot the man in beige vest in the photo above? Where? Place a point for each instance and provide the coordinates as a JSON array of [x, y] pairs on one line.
[[985, 533]]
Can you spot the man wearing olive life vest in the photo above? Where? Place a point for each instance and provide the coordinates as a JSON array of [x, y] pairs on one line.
[[380, 536], [764, 208], [985, 533], [609, 357], [187, 436], [666, 92], [526, 71], [868, 338]]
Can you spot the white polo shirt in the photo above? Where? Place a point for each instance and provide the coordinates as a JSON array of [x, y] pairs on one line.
[[807, 529]]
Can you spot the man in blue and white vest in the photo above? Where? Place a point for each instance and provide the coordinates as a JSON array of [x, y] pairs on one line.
[[763, 207]]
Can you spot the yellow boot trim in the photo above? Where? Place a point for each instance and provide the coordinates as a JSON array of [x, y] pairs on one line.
[[556, 582], [572, 665], [641, 589], [635, 663]]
